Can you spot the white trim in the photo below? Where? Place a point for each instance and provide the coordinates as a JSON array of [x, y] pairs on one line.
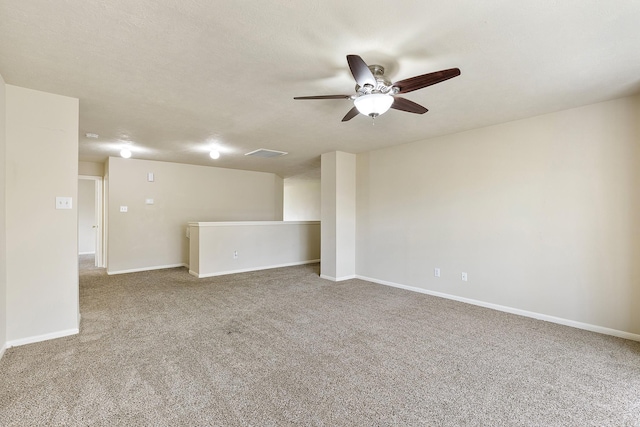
[[525, 313], [98, 219], [338, 279], [2, 350], [99, 213], [86, 253], [235, 223], [104, 261], [245, 270], [45, 337], [138, 270]]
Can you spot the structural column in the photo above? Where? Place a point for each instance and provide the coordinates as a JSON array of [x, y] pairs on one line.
[[41, 220], [338, 216]]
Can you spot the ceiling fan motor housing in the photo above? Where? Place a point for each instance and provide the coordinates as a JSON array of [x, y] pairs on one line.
[[383, 84]]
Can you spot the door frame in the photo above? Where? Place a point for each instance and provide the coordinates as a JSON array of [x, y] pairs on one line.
[[99, 218]]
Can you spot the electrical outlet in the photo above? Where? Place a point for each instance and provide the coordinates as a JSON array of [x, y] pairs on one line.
[[235, 254], [64, 203], [464, 277], [436, 272], [123, 209]]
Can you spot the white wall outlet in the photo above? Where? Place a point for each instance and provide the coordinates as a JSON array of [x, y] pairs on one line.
[[64, 203], [235, 254], [436, 272], [464, 276], [150, 177], [123, 209], [148, 201]]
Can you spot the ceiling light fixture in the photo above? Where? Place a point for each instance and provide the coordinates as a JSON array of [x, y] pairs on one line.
[[215, 155], [373, 104], [125, 153]]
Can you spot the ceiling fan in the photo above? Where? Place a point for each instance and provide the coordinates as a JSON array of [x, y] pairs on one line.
[[375, 93]]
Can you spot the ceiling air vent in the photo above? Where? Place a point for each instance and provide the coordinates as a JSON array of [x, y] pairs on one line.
[[263, 152]]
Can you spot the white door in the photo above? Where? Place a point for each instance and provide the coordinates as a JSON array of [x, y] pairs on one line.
[[90, 235]]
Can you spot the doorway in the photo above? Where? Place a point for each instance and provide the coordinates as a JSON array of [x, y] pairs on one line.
[[90, 218]]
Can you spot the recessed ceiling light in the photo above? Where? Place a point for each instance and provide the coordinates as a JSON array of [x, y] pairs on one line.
[[125, 153], [214, 155], [91, 135]]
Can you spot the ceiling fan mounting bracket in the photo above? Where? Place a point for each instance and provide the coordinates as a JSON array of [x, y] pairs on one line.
[[376, 70]]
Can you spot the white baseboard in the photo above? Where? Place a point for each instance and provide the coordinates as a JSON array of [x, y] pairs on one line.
[[337, 279], [3, 349], [245, 270], [86, 253], [138, 270], [38, 338], [525, 313]]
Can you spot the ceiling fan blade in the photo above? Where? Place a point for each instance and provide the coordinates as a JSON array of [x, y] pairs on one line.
[[418, 82], [351, 114], [324, 97], [404, 104], [360, 71]]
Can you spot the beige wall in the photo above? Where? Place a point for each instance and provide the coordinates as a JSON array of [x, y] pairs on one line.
[[91, 168], [42, 263], [86, 216], [301, 199], [328, 216], [338, 216], [233, 247], [3, 230], [543, 214], [152, 236]]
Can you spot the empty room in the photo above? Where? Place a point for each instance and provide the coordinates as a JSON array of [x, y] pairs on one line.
[[242, 213]]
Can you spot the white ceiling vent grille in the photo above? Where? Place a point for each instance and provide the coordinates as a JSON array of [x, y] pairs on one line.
[[263, 152]]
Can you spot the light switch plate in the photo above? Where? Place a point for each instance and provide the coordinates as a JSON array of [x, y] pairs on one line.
[[149, 201], [64, 203]]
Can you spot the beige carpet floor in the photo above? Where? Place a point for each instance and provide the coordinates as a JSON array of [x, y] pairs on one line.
[[283, 347]]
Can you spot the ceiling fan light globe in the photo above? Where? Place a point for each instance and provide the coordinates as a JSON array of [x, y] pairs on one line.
[[373, 104]]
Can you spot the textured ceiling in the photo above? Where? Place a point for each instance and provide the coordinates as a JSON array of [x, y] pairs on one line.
[[174, 79]]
